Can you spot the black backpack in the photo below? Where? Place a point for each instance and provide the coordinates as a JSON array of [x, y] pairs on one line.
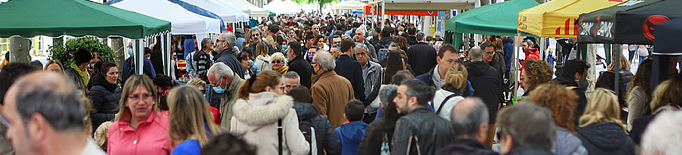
[[308, 129], [203, 61]]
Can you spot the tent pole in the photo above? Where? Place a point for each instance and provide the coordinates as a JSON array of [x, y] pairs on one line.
[[164, 54], [139, 53], [616, 66], [169, 52], [383, 12], [543, 48], [515, 68]]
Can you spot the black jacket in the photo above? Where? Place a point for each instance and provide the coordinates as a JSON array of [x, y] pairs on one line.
[[528, 151], [157, 62], [227, 57], [105, 97], [421, 128], [383, 43], [422, 57], [466, 147], [582, 101], [605, 138], [496, 63], [373, 138], [326, 139], [486, 83], [351, 69], [638, 127], [303, 68], [411, 40]]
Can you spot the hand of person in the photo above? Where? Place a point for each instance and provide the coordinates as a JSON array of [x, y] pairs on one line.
[[610, 67]]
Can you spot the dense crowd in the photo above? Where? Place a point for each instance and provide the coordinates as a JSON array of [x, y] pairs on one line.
[[332, 84]]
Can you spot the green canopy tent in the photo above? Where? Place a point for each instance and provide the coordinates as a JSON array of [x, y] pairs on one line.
[[493, 19], [28, 18]]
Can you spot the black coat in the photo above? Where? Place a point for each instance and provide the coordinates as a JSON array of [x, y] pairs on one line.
[[466, 147], [326, 139], [638, 127], [486, 83], [303, 68], [422, 57], [383, 43], [351, 70], [105, 99], [582, 100], [411, 40], [227, 57], [373, 138], [605, 138], [423, 128], [528, 151]]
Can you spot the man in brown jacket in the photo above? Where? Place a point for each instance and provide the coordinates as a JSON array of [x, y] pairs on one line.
[[330, 91]]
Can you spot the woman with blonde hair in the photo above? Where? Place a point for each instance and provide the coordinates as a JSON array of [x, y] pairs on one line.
[[451, 93], [562, 103], [262, 57], [666, 97], [138, 127], [601, 130], [265, 117], [279, 63], [191, 121]]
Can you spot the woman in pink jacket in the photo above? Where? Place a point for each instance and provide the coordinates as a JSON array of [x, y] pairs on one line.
[[139, 128], [260, 109]]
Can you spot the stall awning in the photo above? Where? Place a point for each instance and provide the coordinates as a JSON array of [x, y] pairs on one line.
[[184, 22], [494, 19], [428, 5], [668, 34], [636, 26], [598, 26], [28, 18], [368, 11], [557, 18], [245, 6], [349, 5]]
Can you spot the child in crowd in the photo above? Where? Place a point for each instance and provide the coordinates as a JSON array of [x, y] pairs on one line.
[[350, 133]]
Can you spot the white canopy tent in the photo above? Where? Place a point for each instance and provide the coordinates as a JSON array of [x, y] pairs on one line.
[[182, 21], [349, 5], [245, 7], [281, 7], [427, 5], [293, 5], [228, 14]]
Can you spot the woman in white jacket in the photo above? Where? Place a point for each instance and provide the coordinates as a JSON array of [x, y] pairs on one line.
[[260, 109], [262, 57], [451, 93]]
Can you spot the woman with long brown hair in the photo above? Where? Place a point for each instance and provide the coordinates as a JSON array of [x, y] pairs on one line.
[[264, 116], [639, 93], [191, 121]]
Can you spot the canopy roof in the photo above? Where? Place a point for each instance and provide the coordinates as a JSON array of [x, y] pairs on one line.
[[246, 7], [636, 26], [349, 5], [281, 7], [368, 11], [598, 26], [428, 5], [184, 22], [556, 18], [667, 37], [228, 14], [74, 18], [493, 19]]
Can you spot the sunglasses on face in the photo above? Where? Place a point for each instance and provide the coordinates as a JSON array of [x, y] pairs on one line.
[[255, 35], [276, 61]]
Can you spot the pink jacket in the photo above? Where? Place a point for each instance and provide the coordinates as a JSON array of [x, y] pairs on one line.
[[150, 137]]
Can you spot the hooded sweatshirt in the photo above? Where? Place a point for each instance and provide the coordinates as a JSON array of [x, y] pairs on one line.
[[605, 138], [350, 135], [485, 81]]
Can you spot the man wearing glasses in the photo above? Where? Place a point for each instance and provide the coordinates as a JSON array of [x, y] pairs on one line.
[[255, 36], [226, 53]]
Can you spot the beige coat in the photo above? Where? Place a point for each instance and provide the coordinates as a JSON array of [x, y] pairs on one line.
[[227, 101], [256, 119], [330, 94]]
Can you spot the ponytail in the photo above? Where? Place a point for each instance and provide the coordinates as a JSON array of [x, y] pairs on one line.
[[258, 83]]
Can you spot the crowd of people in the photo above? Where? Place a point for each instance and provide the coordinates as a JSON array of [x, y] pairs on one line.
[[316, 84]]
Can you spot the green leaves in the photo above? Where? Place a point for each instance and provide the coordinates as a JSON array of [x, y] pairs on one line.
[[65, 54]]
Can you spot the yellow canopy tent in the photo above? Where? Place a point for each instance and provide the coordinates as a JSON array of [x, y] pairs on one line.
[[557, 18]]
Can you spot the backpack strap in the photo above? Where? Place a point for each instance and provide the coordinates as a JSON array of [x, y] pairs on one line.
[[443, 103], [279, 135]]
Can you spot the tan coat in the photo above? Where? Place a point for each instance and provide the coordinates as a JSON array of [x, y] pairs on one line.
[[227, 101], [330, 94]]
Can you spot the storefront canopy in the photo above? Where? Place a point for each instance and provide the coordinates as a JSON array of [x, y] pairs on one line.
[[245, 7], [368, 11], [598, 26], [667, 37], [493, 19], [636, 26], [184, 22], [557, 18], [349, 5], [28, 18], [228, 14]]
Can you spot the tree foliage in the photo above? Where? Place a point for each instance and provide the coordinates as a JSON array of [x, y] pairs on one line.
[[65, 54]]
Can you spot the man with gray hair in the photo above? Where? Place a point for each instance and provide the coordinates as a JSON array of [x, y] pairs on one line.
[[485, 81], [224, 82], [291, 81], [422, 56], [255, 36], [663, 135], [226, 53], [526, 128], [371, 73], [45, 115], [360, 38], [470, 121], [330, 91]]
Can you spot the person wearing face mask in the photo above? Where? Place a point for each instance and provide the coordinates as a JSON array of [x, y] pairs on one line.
[[129, 65], [573, 77], [226, 83]]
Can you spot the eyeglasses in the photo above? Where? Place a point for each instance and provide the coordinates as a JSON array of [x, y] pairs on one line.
[[276, 61], [255, 35], [144, 96]]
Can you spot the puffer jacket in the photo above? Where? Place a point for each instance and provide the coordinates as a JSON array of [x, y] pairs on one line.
[[325, 137], [605, 138], [424, 130], [105, 97], [567, 144]]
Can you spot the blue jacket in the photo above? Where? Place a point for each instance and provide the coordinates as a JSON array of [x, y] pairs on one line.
[[508, 51], [426, 78], [189, 47], [350, 135], [188, 147], [129, 69], [351, 69]]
